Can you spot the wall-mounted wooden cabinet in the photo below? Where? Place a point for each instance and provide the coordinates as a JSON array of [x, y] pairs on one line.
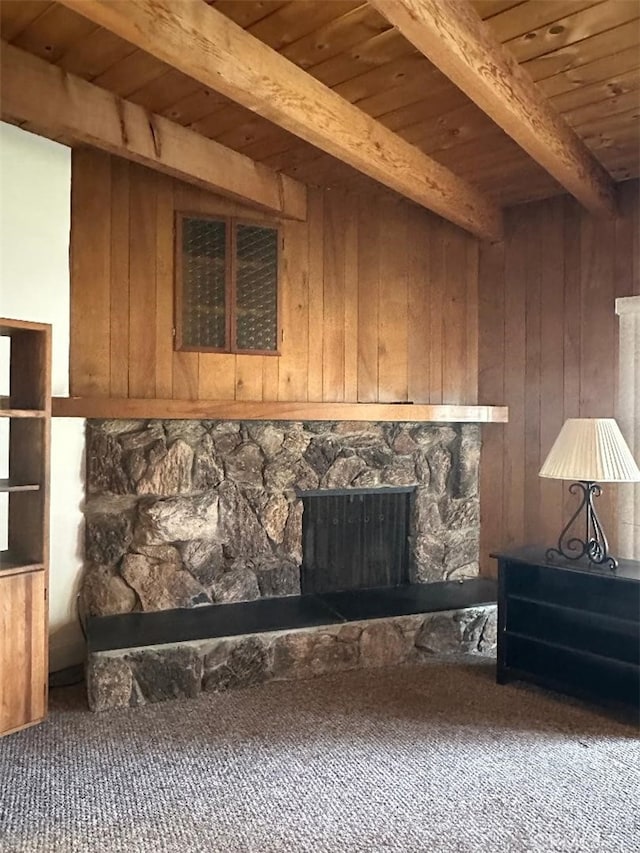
[[25, 414]]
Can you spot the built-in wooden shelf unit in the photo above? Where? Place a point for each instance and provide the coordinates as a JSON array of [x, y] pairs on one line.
[[24, 564]]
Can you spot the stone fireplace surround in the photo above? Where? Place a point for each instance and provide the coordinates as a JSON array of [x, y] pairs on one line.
[[196, 514], [186, 513]]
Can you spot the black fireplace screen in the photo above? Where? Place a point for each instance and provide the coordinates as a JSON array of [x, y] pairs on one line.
[[355, 538]]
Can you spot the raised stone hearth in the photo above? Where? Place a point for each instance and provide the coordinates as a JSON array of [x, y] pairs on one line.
[[131, 677], [184, 513]]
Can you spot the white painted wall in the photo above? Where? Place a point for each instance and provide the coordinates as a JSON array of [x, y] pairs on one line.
[[35, 201]]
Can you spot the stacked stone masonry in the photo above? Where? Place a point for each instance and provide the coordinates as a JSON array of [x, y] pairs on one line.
[[184, 513], [132, 677]]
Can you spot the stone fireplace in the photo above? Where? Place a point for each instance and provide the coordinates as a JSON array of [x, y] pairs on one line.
[[183, 513]]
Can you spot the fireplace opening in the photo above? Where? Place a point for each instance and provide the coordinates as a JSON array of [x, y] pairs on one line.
[[355, 538]]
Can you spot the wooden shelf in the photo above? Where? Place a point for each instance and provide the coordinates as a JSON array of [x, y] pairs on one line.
[[12, 486], [23, 413], [14, 564], [24, 564], [109, 407], [594, 615], [14, 327], [574, 650]]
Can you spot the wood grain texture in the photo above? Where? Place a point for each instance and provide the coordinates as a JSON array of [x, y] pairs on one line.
[[418, 279], [119, 280], [454, 38], [549, 351], [378, 296], [90, 262], [24, 566], [142, 283], [315, 382], [370, 225], [333, 329], [164, 254], [23, 650], [393, 374], [240, 66], [56, 103], [104, 407], [294, 313], [564, 46]]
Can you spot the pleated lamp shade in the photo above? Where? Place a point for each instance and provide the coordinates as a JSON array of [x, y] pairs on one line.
[[591, 449]]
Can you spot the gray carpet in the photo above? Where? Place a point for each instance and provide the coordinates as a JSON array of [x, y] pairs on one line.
[[429, 758]]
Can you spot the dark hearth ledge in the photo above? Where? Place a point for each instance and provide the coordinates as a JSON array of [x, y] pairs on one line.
[[135, 630], [131, 408]]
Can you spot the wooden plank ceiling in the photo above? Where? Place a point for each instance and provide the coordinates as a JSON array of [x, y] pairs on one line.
[[584, 56]]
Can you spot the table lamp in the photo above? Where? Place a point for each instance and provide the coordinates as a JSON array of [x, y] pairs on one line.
[[591, 451]]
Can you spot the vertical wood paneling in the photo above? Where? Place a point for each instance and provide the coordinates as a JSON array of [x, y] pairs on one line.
[[378, 298], [294, 313], [418, 354], [552, 345], [315, 382], [248, 377], [491, 381], [270, 378], [211, 375], [187, 378], [119, 268], [392, 312], [572, 333], [454, 325], [572, 293], [627, 259], [352, 249], [436, 288], [369, 225], [513, 498], [598, 358], [142, 282], [470, 385], [532, 373], [334, 296], [90, 344], [598, 351], [164, 288], [551, 492]]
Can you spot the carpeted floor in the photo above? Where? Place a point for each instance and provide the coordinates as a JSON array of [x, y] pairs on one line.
[[429, 758]]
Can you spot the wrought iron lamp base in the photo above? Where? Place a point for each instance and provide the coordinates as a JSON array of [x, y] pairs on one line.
[[594, 546]]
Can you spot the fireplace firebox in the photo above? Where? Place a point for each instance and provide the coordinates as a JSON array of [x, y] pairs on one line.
[[355, 538]]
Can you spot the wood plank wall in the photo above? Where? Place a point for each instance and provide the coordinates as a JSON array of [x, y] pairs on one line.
[[379, 298], [548, 350]]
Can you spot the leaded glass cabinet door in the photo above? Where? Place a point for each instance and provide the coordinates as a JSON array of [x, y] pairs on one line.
[[256, 288], [226, 285], [203, 284]]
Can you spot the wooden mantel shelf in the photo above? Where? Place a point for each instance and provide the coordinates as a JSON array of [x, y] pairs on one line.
[[110, 407]]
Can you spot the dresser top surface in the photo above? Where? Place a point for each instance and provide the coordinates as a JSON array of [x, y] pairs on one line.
[[533, 555]]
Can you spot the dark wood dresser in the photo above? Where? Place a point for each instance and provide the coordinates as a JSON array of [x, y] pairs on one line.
[[568, 627]]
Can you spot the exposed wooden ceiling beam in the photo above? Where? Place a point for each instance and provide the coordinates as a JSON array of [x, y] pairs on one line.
[[45, 99], [455, 39], [206, 45]]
